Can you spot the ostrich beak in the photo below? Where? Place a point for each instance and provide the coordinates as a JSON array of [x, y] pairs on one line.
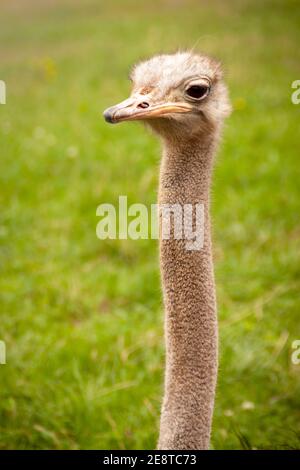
[[138, 107]]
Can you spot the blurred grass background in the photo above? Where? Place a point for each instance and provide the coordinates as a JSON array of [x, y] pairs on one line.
[[82, 318]]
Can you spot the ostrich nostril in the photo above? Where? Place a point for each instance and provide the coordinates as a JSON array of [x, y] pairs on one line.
[[144, 104]]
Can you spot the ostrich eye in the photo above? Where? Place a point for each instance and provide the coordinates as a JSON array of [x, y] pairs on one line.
[[197, 91]]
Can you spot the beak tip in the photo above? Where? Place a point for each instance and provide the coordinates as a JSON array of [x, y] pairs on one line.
[[108, 116]]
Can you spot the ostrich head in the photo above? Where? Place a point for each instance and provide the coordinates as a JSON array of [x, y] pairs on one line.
[[175, 94]]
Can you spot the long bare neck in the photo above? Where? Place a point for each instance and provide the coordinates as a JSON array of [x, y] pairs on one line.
[[190, 307]]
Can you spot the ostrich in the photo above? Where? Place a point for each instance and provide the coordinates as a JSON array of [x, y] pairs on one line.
[[183, 99]]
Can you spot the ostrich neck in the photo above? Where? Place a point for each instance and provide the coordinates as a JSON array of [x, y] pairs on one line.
[[189, 298]]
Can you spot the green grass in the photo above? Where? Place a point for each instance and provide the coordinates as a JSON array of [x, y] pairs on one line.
[[82, 318]]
